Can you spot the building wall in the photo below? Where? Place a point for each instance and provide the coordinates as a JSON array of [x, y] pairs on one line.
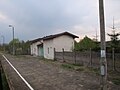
[[48, 49], [62, 42], [34, 48]]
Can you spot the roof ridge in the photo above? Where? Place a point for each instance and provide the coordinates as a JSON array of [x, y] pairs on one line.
[[54, 36]]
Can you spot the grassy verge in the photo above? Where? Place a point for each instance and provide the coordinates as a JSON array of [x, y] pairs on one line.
[[114, 77], [95, 70], [72, 67], [116, 81], [4, 82], [76, 67]]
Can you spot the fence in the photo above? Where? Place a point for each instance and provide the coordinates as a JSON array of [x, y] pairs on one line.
[[89, 58]]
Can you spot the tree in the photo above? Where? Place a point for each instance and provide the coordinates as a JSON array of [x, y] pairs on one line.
[[114, 37], [77, 46], [114, 40], [85, 44], [21, 47], [16, 45], [26, 47]]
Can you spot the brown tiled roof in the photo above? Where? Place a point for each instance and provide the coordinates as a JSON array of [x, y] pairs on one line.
[[60, 34]]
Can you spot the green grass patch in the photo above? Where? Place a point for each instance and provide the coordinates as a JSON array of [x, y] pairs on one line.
[[114, 77], [67, 66], [95, 70], [116, 81], [72, 67], [4, 82], [79, 69], [92, 70], [77, 64]]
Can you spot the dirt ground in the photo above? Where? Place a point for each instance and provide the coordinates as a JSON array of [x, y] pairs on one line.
[[48, 75]]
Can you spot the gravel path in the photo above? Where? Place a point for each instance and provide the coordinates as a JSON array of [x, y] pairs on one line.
[[43, 75]]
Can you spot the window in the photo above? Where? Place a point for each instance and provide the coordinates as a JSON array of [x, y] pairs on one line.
[[48, 50]]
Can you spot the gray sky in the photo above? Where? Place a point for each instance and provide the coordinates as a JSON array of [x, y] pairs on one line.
[[37, 18]]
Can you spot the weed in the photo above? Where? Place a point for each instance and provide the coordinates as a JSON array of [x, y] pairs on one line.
[[4, 82], [116, 81], [67, 66], [79, 69], [93, 70], [73, 67], [77, 64]]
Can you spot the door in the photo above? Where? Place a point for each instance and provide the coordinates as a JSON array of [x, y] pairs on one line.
[[41, 53]]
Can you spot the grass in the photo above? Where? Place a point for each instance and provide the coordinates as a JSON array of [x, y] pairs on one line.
[[4, 82], [77, 64], [114, 77], [116, 81], [95, 70], [20, 56], [67, 66], [72, 67]]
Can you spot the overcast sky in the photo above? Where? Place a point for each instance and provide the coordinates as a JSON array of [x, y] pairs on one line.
[[37, 18]]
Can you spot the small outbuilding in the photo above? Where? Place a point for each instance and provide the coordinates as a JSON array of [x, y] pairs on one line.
[[45, 46]]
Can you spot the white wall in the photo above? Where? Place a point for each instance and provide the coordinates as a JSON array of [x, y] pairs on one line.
[[34, 48], [31, 49], [65, 42], [48, 44], [58, 43]]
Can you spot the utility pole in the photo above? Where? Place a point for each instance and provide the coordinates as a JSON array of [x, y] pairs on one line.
[[3, 42], [103, 61], [13, 39]]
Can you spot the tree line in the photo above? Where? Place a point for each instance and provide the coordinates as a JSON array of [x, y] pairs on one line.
[[86, 44], [21, 47]]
